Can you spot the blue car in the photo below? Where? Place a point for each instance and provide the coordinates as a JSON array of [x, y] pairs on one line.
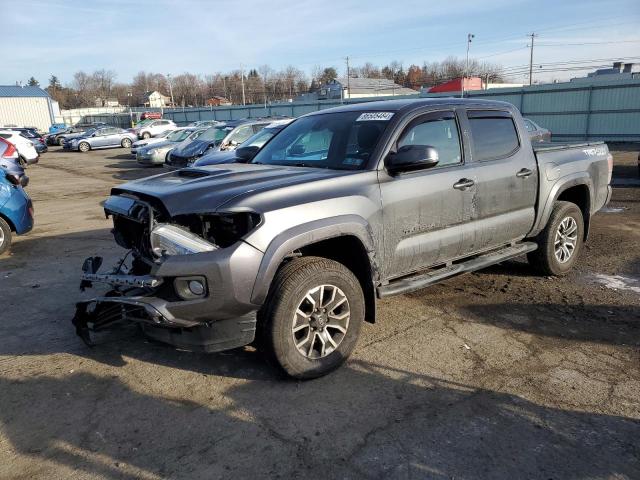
[[16, 210], [57, 127]]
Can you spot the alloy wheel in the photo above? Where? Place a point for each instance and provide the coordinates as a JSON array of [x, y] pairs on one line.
[[321, 321], [566, 239]]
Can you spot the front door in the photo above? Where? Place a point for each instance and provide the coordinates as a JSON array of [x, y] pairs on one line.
[[507, 179], [426, 212]]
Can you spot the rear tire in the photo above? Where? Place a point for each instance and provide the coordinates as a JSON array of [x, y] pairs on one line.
[[84, 147], [5, 236], [312, 318], [146, 135], [126, 143], [60, 142], [560, 243]]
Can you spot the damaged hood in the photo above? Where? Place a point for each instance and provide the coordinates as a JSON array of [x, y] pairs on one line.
[[194, 148], [206, 189]]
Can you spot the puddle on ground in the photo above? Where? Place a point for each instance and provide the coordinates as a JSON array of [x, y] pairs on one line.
[[618, 282], [612, 209]]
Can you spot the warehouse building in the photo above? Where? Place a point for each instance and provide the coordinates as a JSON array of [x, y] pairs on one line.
[[26, 107]]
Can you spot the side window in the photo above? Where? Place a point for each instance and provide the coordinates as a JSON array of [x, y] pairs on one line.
[[259, 126], [241, 134], [494, 135], [440, 132]]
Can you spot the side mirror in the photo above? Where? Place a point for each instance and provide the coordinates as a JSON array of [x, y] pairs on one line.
[[246, 154], [411, 157], [93, 134]]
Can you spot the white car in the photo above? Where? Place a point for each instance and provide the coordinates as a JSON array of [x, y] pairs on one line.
[[26, 151], [151, 128]]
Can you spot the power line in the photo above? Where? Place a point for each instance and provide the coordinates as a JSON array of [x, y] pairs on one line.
[[586, 43]]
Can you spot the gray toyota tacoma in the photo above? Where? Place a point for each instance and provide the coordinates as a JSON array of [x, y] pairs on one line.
[[290, 250]]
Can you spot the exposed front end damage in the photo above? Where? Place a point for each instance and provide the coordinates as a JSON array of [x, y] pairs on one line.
[[186, 280]]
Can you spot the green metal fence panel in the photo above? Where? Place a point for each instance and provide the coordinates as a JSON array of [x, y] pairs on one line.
[[572, 111]]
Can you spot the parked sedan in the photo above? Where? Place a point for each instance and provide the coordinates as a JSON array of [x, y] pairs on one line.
[[246, 150], [26, 151], [221, 137], [205, 123], [57, 127], [150, 141], [156, 153], [10, 163], [32, 135], [150, 128], [70, 133], [16, 211], [104, 137], [536, 132]]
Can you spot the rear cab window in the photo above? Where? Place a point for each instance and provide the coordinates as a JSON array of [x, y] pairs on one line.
[[494, 134]]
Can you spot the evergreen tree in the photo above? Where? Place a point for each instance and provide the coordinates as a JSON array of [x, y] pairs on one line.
[[33, 82]]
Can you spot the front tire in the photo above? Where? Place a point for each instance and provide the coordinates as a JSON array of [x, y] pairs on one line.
[[312, 318], [84, 147], [126, 143], [61, 142], [560, 243], [5, 236], [146, 135]]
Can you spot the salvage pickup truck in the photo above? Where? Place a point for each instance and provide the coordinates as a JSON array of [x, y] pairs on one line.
[[290, 250]]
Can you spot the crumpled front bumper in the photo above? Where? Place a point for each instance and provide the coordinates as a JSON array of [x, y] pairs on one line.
[[224, 318]]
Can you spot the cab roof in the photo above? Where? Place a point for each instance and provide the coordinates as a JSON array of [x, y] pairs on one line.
[[410, 104]]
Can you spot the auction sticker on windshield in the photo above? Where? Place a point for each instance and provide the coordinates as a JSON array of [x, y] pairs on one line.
[[384, 116]]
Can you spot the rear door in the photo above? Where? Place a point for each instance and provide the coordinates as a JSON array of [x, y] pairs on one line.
[[102, 138], [427, 212], [507, 178]]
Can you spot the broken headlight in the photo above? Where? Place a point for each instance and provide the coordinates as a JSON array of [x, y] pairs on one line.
[[172, 240]]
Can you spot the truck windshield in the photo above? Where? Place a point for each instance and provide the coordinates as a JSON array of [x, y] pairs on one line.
[[340, 141]]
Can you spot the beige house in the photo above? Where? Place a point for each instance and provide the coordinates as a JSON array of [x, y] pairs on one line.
[[156, 100]]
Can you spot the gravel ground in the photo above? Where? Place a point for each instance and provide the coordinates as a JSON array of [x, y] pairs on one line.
[[499, 374]]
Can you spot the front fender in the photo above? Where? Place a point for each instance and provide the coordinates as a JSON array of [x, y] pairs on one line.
[[300, 236]]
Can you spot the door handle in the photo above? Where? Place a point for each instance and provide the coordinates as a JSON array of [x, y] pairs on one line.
[[463, 183], [525, 172]]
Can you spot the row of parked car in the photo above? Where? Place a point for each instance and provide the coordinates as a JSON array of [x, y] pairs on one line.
[[19, 147]]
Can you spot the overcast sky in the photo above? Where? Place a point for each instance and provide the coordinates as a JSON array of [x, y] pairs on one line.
[[59, 37]]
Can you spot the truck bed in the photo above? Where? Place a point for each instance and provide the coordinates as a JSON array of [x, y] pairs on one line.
[[548, 147]]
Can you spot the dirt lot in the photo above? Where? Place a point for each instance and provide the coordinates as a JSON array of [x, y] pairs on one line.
[[499, 374]]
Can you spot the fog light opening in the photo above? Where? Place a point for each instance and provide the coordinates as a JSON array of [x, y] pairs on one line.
[[190, 288], [196, 287]]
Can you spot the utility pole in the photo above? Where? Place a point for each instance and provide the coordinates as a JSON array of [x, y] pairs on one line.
[[242, 82], [533, 36], [470, 37], [348, 78]]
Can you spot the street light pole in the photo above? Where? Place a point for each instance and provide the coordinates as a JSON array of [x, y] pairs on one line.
[[470, 37], [171, 90], [242, 82]]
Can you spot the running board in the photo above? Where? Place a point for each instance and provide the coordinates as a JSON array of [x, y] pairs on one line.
[[419, 281]]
